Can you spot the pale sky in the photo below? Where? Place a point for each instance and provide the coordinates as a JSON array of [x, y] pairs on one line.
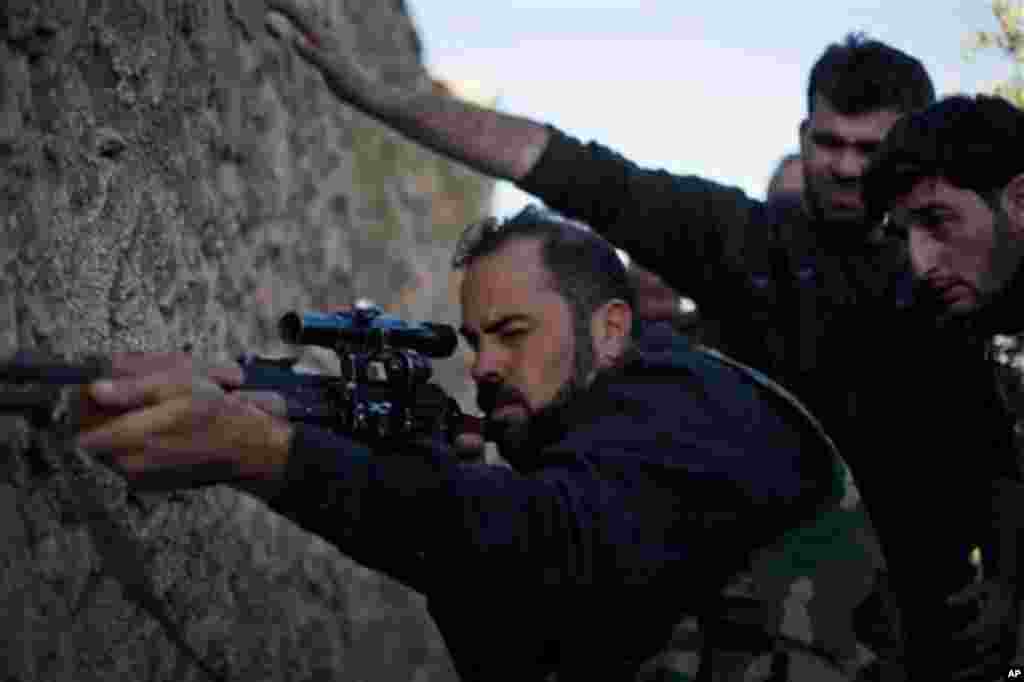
[[712, 88]]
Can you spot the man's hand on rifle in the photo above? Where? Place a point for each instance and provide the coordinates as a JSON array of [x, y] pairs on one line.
[[167, 422]]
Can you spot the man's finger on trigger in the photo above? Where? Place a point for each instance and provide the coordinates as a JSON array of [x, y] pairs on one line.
[[131, 431]]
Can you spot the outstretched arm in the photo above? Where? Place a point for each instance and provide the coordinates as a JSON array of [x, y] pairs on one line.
[[488, 141], [687, 230]]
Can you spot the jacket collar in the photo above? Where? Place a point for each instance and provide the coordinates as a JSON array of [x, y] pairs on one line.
[[1004, 314]]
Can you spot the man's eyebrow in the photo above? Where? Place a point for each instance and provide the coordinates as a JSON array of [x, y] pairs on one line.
[[507, 319], [931, 206], [928, 211], [496, 325], [826, 136], [863, 143]]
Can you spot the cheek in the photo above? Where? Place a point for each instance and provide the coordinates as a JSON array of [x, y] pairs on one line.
[[546, 364], [968, 247], [815, 169], [976, 257], [920, 257]]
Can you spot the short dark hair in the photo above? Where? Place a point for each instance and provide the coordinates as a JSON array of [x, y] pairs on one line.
[[972, 143], [861, 75], [585, 269]]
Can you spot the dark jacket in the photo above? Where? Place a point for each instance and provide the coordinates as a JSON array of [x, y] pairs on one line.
[[666, 476], [833, 317]]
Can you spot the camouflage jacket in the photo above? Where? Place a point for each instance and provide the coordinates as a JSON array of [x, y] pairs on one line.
[[789, 617]]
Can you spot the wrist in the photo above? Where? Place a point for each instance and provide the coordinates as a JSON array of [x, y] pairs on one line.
[[279, 439], [263, 442], [264, 474]]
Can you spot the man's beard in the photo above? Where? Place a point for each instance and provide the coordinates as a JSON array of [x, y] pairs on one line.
[[840, 227], [994, 288], [520, 440], [1004, 256]]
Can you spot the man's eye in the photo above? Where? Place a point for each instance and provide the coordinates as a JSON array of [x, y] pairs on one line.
[[512, 334], [828, 142], [932, 221]]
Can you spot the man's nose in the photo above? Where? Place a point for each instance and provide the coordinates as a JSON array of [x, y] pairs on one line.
[[849, 164], [925, 252], [487, 365]]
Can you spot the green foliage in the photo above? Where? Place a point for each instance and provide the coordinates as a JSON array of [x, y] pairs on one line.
[[1009, 40]]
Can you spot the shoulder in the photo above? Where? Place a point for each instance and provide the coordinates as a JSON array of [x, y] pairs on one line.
[[673, 381], [563, 151], [688, 414], [775, 234]]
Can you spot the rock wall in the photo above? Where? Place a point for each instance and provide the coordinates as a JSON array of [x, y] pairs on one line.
[[171, 177]]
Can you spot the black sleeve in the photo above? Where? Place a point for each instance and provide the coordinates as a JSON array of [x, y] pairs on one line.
[[413, 513], [690, 231], [606, 510]]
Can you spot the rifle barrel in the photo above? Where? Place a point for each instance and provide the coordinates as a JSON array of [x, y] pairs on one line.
[[24, 368], [39, 403]]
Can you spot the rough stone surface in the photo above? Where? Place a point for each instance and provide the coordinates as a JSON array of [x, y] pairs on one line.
[[170, 176]]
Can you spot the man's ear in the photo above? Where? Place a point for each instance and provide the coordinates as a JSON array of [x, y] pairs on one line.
[[1013, 205], [610, 327]]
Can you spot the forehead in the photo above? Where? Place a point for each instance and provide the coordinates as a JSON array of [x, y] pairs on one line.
[[871, 126], [509, 281], [937, 192], [924, 192]]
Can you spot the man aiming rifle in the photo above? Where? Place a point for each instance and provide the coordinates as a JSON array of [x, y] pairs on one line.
[[645, 474], [811, 292]]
